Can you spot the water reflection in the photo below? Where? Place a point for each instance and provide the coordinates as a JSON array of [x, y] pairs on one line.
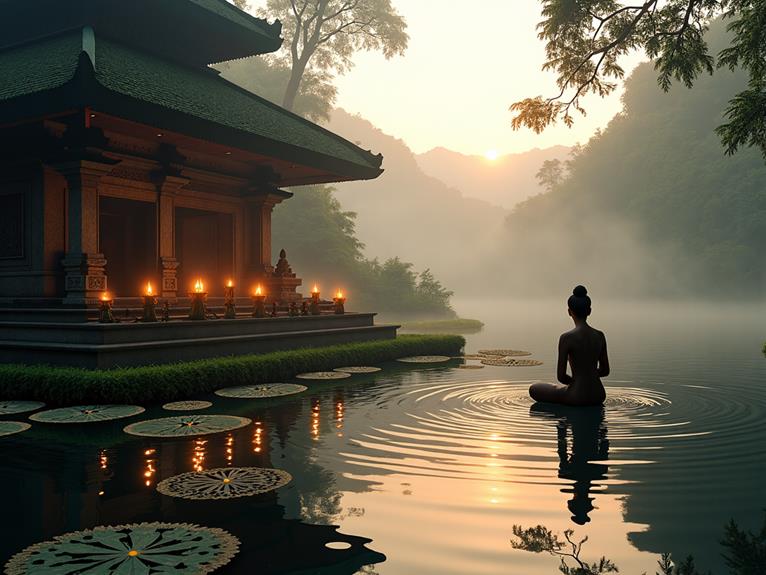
[[581, 438]]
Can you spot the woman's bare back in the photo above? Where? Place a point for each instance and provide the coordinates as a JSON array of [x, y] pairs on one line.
[[584, 349]]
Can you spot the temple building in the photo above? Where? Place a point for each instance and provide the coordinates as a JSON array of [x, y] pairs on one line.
[[126, 158]]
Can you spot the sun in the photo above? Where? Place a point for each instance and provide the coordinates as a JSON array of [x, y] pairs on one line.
[[491, 155]]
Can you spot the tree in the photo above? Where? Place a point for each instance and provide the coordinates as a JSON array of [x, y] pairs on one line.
[[585, 40], [550, 174], [323, 35]]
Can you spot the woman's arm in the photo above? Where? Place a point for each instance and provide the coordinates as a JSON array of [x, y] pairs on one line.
[[561, 366], [603, 360]]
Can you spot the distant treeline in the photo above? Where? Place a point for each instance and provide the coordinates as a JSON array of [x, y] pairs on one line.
[[651, 204]]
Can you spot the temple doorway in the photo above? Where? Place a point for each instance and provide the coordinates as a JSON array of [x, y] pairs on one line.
[[204, 248], [128, 239]]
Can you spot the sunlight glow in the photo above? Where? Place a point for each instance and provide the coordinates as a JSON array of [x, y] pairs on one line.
[[491, 155]]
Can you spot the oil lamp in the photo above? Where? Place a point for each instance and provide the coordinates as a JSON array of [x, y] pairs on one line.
[[198, 297], [314, 307], [339, 300], [150, 304], [105, 309], [259, 298], [229, 311]]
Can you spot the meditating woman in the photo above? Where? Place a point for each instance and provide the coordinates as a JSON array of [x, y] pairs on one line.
[[585, 348]]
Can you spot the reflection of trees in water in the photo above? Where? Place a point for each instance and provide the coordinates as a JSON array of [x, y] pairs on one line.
[[581, 443]]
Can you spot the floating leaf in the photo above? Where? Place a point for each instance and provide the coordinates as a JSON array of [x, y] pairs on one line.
[[261, 391], [12, 427], [186, 405], [319, 375], [13, 407], [145, 548], [186, 425], [357, 369], [424, 359], [509, 362], [503, 352], [86, 413], [224, 483]]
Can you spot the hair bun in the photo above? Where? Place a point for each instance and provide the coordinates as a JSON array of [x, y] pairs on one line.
[[580, 291]]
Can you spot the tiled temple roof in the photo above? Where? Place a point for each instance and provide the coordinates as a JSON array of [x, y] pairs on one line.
[[78, 69]]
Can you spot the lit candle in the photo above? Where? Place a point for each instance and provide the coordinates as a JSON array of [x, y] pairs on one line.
[[229, 310], [198, 309], [259, 309], [105, 309], [339, 300], [150, 303], [315, 301]]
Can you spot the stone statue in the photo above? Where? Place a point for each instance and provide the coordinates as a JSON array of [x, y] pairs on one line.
[[283, 268]]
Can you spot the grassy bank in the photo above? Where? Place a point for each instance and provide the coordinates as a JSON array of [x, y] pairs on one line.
[[457, 325], [154, 384]]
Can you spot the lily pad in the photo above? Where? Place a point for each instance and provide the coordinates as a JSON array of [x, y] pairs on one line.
[[504, 352], [320, 375], [186, 425], [12, 427], [512, 362], [424, 359], [145, 548], [13, 407], [186, 405], [261, 391], [86, 413], [224, 483], [357, 369]]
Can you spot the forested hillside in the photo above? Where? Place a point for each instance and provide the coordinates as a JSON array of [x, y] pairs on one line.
[[652, 204]]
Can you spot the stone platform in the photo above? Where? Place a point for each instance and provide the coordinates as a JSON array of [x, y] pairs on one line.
[[92, 345]]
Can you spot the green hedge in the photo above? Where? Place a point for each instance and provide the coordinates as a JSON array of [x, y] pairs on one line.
[[155, 384]]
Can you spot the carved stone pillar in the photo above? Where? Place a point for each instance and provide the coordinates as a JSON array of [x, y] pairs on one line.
[[166, 232], [84, 266]]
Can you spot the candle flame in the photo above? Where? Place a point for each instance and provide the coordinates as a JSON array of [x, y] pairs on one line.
[[105, 296], [258, 290], [199, 287], [315, 289], [149, 290], [230, 284], [339, 295]]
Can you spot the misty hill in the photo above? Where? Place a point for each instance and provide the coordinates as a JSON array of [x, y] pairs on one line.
[[409, 214], [505, 181], [652, 204]]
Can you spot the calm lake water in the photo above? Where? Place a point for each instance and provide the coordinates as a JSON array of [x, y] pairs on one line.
[[426, 470]]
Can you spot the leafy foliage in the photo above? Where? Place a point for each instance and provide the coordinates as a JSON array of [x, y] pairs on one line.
[[550, 174], [157, 384], [744, 552], [325, 34], [587, 38], [653, 198]]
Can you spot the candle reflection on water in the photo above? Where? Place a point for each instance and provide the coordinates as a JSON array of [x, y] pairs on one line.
[[198, 457], [229, 449], [315, 419], [258, 437], [149, 468]]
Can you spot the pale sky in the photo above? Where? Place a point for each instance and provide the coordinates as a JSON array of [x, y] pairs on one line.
[[466, 63]]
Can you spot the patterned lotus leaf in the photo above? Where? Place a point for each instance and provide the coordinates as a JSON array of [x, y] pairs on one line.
[[469, 366], [186, 405], [512, 362], [224, 483], [261, 391], [143, 548], [503, 352], [186, 425], [86, 413], [12, 427], [357, 369], [424, 359], [13, 407], [319, 375]]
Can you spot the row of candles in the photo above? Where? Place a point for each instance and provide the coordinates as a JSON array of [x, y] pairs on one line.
[[198, 310]]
